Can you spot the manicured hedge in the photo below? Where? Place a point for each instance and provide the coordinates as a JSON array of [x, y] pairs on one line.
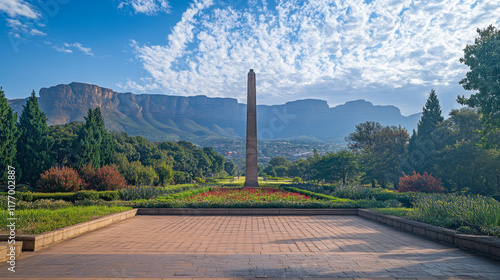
[[70, 196]]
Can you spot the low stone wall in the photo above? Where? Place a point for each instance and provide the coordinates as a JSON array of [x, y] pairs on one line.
[[5, 248], [37, 241], [485, 245], [244, 211]]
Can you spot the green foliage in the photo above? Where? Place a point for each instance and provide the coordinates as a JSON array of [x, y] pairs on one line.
[[184, 194], [179, 177], [165, 174], [153, 192], [83, 195], [63, 150], [93, 144], [8, 137], [297, 180], [229, 168], [314, 195], [109, 195], [381, 151], [34, 143], [58, 179], [459, 160], [35, 221], [332, 167], [422, 141], [484, 64], [467, 213]]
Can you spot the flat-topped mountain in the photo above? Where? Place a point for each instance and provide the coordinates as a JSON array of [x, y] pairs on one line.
[[196, 118]]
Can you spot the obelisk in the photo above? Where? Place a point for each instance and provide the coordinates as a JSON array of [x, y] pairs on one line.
[[251, 159]]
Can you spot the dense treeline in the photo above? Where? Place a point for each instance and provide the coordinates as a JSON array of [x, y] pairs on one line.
[[85, 155], [463, 151]]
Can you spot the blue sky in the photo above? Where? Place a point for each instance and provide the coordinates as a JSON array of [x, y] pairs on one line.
[[384, 51]]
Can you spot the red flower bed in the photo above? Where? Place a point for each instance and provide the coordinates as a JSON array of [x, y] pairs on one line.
[[250, 194]]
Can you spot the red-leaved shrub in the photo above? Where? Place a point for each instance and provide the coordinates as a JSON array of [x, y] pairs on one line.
[[420, 183], [106, 178], [58, 179]]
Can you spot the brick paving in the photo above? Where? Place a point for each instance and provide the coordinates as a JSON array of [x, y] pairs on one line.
[[329, 247]]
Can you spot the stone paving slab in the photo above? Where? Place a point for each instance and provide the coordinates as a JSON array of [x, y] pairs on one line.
[[253, 247]]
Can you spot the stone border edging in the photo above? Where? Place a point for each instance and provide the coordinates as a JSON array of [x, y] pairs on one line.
[[5, 249], [244, 211], [37, 241], [484, 245]]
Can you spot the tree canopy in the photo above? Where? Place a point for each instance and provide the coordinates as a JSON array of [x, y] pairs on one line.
[[483, 60]]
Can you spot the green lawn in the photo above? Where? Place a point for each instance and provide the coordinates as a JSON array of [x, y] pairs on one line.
[[34, 221]]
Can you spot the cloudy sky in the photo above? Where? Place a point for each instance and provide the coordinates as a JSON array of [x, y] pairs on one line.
[[384, 51]]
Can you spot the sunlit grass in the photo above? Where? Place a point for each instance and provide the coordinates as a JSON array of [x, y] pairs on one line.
[[34, 221]]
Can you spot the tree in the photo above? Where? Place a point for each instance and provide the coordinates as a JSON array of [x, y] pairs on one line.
[[431, 116], [93, 144], [422, 145], [229, 168], [34, 143], [8, 136], [335, 166], [165, 174], [64, 136], [461, 163], [483, 59], [381, 151]]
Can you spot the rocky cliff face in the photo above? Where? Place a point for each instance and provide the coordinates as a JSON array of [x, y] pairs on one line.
[[164, 117]]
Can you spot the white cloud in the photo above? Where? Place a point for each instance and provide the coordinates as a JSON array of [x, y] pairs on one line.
[[330, 46], [17, 27], [18, 8], [148, 7], [68, 48], [62, 49]]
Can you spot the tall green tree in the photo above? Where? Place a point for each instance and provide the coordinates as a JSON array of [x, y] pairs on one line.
[[422, 145], [483, 59], [431, 116], [462, 164], [381, 151], [94, 144], [339, 166], [34, 144], [8, 136], [64, 136]]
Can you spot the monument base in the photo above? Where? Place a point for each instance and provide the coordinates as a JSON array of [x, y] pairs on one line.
[[253, 184]]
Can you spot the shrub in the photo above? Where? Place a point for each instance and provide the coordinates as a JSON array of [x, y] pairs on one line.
[[108, 178], [86, 195], [103, 179], [25, 196], [420, 183], [297, 180], [179, 177], [199, 180], [109, 195], [58, 179]]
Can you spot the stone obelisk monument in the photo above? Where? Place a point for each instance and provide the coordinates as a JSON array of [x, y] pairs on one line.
[[251, 163]]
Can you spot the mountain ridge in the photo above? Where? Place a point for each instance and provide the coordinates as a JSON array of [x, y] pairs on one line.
[[161, 117]]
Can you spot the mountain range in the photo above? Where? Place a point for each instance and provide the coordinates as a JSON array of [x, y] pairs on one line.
[[197, 118]]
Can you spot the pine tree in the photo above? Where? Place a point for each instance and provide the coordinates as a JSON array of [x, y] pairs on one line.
[[8, 136], [94, 144], [34, 142], [421, 146], [431, 116]]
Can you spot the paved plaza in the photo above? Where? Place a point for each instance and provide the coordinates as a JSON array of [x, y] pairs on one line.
[[330, 247]]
